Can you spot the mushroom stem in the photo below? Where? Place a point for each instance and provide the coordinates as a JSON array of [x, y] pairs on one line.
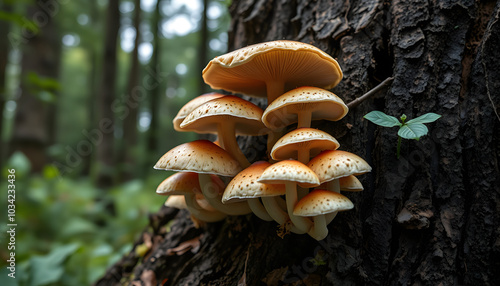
[[227, 139], [303, 155], [259, 210], [333, 186], [274, 88], [301, 223], [200, 213], [304, 119], [319, 230], [211, 192], [275, 211]]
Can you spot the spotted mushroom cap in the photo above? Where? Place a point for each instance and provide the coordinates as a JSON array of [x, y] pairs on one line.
[[303, 138], [289, 171], [245, 185], [200, 156], [335, 164], [323, 105], [228, 109], [247, 70], [320, 202], [190, 106]]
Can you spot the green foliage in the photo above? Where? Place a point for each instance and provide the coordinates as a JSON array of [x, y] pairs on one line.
[[412, 129], [65, 234]]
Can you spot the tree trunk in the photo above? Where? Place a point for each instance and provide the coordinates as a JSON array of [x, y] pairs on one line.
[[203, 46], [4, 56], [32, 131], [154, 89], [429, 218], [132, 100], [107, 93]]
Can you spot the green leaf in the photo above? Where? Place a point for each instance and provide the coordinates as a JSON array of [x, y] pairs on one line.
[[412, 131], [426, 118], [382, 119], [50, 268]]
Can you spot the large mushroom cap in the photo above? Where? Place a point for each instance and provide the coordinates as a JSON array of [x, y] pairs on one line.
[[289, 171], [228, 109], [250, 69], [200, 156], [319, 202], [335, 164], [321, 103], [311, 139], [245, 184], [190, 106]]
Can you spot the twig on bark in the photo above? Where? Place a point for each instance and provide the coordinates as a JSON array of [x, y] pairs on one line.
[[370, 93]]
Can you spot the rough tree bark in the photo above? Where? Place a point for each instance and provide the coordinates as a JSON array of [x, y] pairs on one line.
[[430, 218]]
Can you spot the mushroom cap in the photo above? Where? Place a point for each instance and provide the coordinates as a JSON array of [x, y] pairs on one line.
[[335, 164], [245, 185], [346, 184], [247, 70], [289, 171], [322, 104], [190, 106], [303, 138], [230, 109], [319, 202], [176, 201], [200, 156], [186, 183], [182, 183]]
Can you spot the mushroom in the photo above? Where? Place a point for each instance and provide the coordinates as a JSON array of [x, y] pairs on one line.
[[331, 165], [347, 184], [302, 105], [190, 106], [205, 158], [244, 186], [291, 173], [302, 144], [317, 204], [227, 116], [271, 68], [186, 184]]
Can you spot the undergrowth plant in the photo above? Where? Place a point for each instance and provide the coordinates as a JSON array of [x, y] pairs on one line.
[[411, 129]]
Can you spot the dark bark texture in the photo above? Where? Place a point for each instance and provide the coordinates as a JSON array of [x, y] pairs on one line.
[[430, 218]]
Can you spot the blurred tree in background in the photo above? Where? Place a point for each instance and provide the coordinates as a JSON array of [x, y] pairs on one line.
[[88, 91]]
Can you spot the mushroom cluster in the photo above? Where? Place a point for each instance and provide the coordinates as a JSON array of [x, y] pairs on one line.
[[299, 187]]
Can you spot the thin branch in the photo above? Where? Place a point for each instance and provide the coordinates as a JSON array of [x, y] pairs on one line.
[[370, 93]]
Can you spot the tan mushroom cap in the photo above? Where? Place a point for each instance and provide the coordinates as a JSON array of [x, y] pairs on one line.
[[176, 201], [335, 164], [200, 156], [190, 106], [303, 138], [346, 184], [227, 109], [320, 103], [245, 184], [320, 202], [182, 183], [289, 171], [250, 70]]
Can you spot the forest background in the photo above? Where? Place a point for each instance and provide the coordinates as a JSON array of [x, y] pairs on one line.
[[88, 91]]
